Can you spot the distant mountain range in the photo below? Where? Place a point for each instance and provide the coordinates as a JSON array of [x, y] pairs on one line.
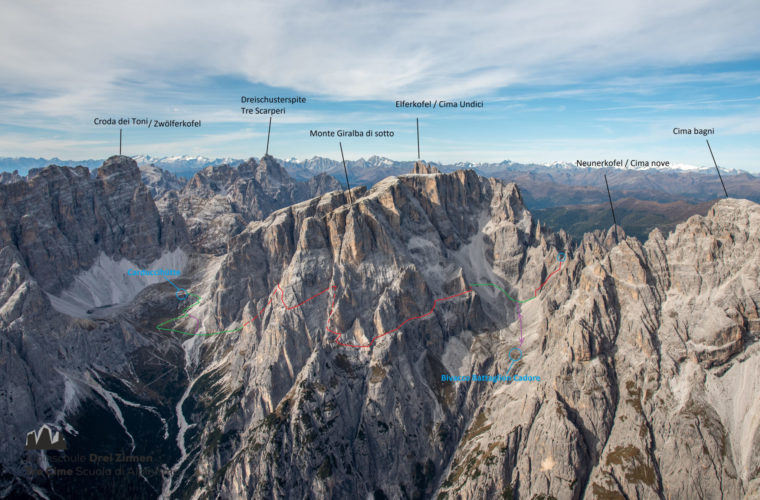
[[309, 167], [558, 184], [23, 164]]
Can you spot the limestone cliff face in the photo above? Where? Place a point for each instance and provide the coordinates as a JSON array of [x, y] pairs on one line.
[[160, 181], [220, 200], [634, 346], [636, 343], [315, 363], [60, 370], [424, 168], [62, 219]]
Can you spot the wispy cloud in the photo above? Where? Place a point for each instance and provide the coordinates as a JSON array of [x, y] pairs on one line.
[[376, 50], [62, 64]]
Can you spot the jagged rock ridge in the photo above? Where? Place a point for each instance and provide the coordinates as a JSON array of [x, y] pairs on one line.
[[160, 181], [220, 199], [315, 418], [646, 354], [62, 219]]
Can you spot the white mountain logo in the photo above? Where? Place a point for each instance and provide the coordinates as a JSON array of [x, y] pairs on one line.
[[44, 439]]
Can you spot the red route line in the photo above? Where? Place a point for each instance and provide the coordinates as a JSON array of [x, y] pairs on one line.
[[257, 315], [535, 292], [282, 297], [366, 346], [332, 310]]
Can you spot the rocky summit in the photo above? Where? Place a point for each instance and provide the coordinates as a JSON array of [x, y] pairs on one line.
[[425, 338], [221, 199]]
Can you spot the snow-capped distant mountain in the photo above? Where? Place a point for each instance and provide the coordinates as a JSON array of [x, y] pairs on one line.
[[686, 167], [365, 171], [177, 164], [183, 163], [672, 167], [560, 164], [318, 164], [376, 161], [542, 185], [314, 165], [375, 168]]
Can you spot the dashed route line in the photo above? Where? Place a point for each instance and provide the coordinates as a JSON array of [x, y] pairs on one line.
[[535, 292], [197, 322], [186, 312], [366, 346], [282, 297]]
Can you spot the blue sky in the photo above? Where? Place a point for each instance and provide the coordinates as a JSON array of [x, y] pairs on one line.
[[560, 81]]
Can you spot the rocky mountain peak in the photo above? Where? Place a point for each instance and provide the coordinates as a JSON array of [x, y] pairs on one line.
[[160, 181], [119, 169], [431, 315], [220, 200], [212, 180], [270, 173], [61, 219], [248, 168], [8, 177], [616, 363], [424, 168]]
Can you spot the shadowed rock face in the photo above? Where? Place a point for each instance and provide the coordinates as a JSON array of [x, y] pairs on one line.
[[629, 342], [637, 376], [160, 181], [423, 168], [54, 227], [220, 200], [61, 219]]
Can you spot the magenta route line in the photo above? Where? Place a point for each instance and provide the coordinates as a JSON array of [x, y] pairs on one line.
[[197, 322], [519, 315]]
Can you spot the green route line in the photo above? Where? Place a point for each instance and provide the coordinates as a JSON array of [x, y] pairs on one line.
[[184, 314], [535, 292]]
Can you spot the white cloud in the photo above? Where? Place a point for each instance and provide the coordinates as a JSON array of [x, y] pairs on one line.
[[62, 63], [358, 50]]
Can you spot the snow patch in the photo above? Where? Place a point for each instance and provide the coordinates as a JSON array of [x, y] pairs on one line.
[[105, 285], [681, 385]]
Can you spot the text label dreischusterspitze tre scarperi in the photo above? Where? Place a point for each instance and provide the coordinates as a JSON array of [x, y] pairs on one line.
[[268, 100]]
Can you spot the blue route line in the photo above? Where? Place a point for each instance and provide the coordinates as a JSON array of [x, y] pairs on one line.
[[514, 360], [178, 289]]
